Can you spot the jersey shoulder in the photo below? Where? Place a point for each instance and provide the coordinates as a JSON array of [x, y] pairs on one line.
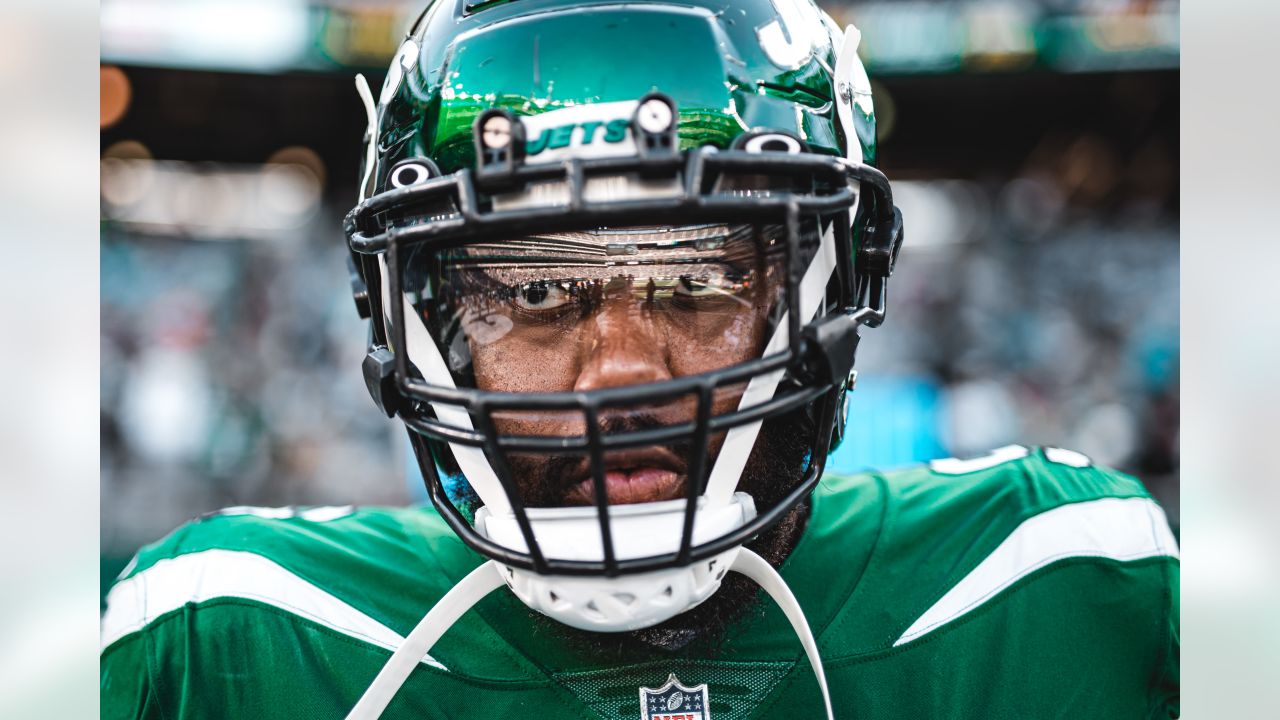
[[289, 534], [340, 565], [308, 603], [970, 504], [957, 534], [1025, 480], [1005, 582]]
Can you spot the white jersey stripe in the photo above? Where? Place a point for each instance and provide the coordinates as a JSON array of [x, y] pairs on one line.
[[1121, 529], [196, 577]]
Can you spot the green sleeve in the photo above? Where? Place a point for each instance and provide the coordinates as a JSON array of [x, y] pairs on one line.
[[127, 692]]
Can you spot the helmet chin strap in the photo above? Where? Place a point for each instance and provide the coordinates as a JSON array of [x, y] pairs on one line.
[[487, 578], [738, 442], [371, 151], [760, 571], [473, 588]]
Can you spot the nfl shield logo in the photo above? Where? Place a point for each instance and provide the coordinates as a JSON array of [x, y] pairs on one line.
[[674, 701]]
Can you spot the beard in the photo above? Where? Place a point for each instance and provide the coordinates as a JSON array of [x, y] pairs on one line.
[[777, 464], [775, 467]]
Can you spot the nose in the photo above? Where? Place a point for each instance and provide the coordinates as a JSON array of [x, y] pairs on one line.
[[623, 346]]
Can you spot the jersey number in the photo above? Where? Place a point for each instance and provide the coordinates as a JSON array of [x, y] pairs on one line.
[[1009, 453]]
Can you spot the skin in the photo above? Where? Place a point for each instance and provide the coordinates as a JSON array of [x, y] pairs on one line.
[[625, 326], [619, 333]]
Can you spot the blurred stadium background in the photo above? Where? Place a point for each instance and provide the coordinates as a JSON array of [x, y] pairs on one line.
[[1033, 144]]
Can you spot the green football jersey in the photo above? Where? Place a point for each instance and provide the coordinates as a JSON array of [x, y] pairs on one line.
[[1024, 584]]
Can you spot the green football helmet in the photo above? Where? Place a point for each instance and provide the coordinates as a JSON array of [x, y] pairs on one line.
[[535, 170]]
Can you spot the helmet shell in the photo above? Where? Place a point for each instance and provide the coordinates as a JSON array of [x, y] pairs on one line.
[[752, 65], [739, 77]]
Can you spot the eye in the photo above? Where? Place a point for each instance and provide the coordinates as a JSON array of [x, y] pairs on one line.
[[717, 292], [541, 296], [697, 287]]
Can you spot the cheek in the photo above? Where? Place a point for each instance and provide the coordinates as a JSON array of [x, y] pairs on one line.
[[523, 362], [526, 360], [716, 343]]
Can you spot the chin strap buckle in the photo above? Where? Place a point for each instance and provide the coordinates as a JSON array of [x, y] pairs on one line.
[[379, 369], [831, 344], [880, 254], [653, 125], [359, 289], [499, 143]]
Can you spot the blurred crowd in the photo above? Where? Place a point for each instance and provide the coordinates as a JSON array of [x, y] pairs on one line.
[[1048, 320], [230, 369], [230, 375], [1036, 300]]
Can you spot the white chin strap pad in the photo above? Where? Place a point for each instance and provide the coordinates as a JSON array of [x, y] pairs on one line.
[[626, 602]]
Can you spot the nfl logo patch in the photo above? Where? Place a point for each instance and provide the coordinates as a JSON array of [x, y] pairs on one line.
[[674, 701]]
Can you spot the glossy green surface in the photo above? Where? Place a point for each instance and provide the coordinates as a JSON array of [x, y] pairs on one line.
[[534, 56]]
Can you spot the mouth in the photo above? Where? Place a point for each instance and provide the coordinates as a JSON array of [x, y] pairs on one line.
[[631, 476]]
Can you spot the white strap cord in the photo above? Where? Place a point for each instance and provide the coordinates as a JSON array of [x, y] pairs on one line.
[[473, 588], [851, 76], [756, 568], [487, 578], [727, 470], [371, 114]]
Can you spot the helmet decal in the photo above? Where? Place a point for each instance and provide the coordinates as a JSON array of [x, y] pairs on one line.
[[595, 130], [411, 172], [405, 59], [791, 37]]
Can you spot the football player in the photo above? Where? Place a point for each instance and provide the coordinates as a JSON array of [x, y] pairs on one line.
[[616, 258]]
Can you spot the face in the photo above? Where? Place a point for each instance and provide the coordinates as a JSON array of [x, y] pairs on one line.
[[611, 309]]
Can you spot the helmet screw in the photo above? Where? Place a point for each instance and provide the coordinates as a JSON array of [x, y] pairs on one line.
[[846, 92], [654, 116], [496, 133]]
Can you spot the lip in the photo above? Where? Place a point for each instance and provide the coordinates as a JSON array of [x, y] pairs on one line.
[[631, 476]]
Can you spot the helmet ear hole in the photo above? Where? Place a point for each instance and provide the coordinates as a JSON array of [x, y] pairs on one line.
[[413, 171], [758, 141]]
